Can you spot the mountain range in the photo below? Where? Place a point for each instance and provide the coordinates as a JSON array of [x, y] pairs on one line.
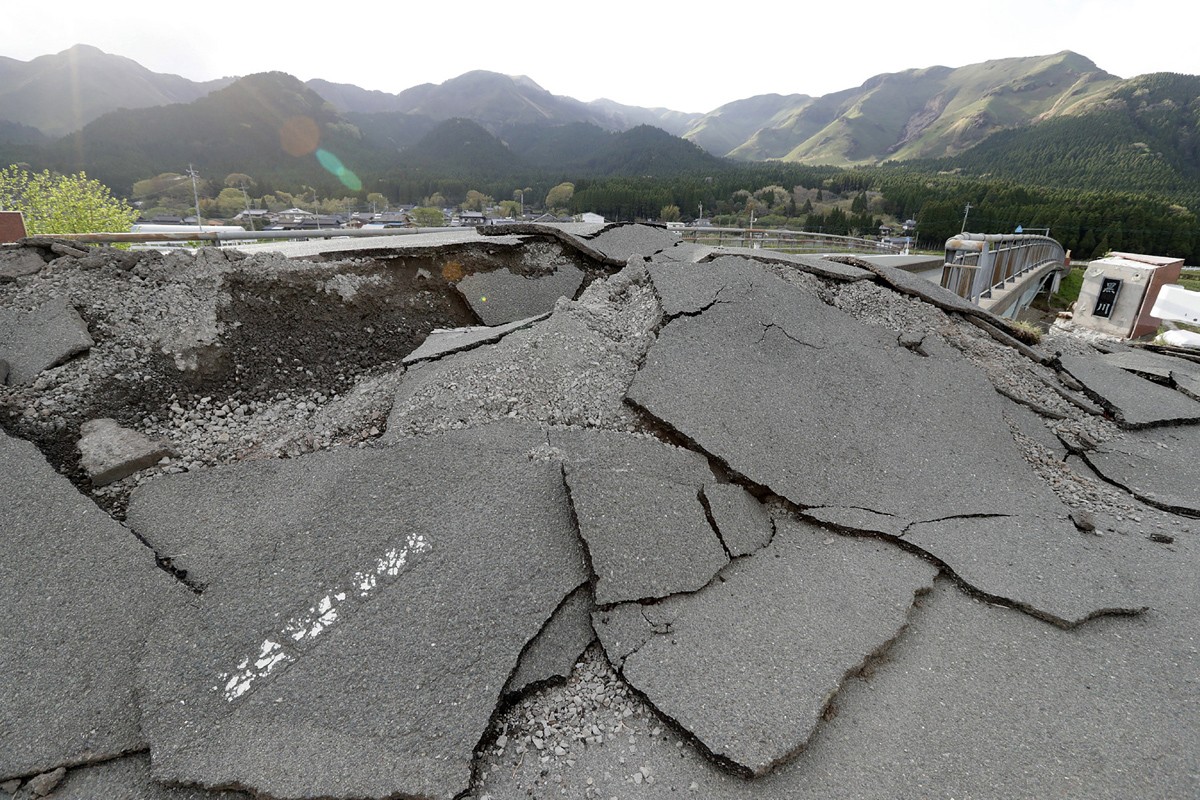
[[83, 108]]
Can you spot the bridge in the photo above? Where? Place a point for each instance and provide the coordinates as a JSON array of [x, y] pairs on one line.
[[783, 240], [1002, 273]]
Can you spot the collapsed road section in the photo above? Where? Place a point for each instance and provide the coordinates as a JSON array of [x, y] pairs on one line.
[[581, 513]]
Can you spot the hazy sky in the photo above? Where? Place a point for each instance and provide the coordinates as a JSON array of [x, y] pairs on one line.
[[684, 56]]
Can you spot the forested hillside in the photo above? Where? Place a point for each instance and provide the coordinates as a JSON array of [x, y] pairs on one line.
[[270, 124], [1143, 137]]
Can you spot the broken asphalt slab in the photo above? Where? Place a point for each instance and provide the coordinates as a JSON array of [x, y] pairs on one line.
[[126, 778], [1184, 375], [749, 664], [443, 341], [82, 597], [620, 242], [647, 537], [558, 645], [327, 655], [782, 389], [36, 340], [813, 265], [638, 507], [501, 296], [742, 522], [971, 701], [771, 368], [1136, 402], [1160, 466], [687, 289]]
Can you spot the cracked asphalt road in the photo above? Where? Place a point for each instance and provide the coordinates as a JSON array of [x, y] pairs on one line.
[[724, 525]]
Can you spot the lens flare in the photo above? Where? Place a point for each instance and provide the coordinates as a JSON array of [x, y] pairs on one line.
[[339, 170], [299, 136]]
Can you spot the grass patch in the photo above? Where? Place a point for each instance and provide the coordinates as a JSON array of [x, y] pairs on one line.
[[1190, 280], [1068, 288], [1029, 333]]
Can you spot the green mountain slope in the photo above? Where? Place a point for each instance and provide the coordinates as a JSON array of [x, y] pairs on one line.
[[460, 147], [348, 98], [561, 147], [649, 151], [927, 112], [1142, 136], [619, 117], [389, 132], [722, 131], [270, 124], [495, 101]]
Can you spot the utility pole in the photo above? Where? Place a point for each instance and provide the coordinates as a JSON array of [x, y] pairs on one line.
[[196, 197], [965, 213], [246, 202]]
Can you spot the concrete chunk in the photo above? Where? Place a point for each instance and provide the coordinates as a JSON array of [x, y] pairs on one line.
[[110, 452], [37, 340], [19, 263]]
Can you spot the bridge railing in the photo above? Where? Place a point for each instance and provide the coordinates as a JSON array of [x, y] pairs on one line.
[[979, 263], [787, 241]]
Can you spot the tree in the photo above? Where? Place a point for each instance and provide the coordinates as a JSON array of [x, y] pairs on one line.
[[377, 201], [230, 202], [167, 186], [63, 203], [669, 214], [771, 196], [476, 201], [239, 180], [427, 217], [559, 198]]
